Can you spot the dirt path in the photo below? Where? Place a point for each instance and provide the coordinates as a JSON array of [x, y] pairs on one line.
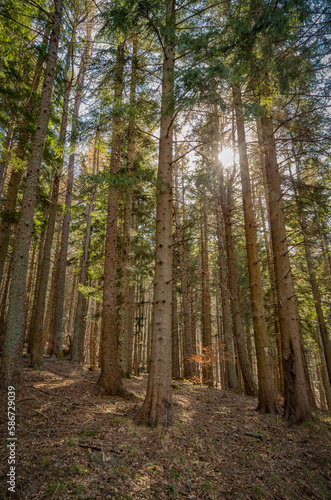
[[76, 444]]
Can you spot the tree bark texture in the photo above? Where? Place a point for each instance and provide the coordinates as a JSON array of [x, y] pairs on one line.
[[267, 397], [156, 408], [125, 262], [296, 393], [110, 378]]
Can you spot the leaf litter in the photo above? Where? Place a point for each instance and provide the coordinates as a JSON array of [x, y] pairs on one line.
[[76, 443]]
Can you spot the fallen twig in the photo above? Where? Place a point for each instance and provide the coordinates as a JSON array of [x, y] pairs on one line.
[[40, 413]]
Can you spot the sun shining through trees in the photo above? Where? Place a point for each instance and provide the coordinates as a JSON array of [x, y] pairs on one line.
[[228, 157], [164, 181]]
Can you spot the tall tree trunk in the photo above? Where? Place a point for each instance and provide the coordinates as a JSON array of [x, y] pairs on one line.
[[3, 302], [29, 294], [37, 324], [130, 320], [296, 393], [206, 327], [123, 317], [11, 368], [246, 370], [9, 214], [270, 260], [267, 396], [226, 313], [57, 315], [174, 329], [311, 271], [157, 405], [181, 246], [110, 378], [83, 267]]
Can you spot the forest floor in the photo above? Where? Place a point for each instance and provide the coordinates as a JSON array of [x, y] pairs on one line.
[[74, 443]]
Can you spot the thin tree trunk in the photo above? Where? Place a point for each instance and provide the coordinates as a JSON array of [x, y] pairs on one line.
[[246, 370], [181, 247], [31, 279], [51, 297], [130, 320], [11, 368], [312, 275], [226, 313], [83, 267], [174, 329], [4, 299], [37, 324], [206, 339]]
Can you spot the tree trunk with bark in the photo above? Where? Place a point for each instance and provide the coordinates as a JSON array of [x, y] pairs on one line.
[[157, 405], [296, 393], [181, 248], [37, 324], [5, 156], [9, 214], [207, 369], [11, 369], [270, 260], [125, 261], [246, 370], [231, 377], [110, 378], [311, 271], [78, 324], [267, 397], [175, 342], [57, 313]]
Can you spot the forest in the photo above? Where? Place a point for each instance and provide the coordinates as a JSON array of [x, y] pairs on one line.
[[165, 249]]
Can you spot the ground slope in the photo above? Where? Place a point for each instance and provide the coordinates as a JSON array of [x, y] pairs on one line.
[[74, 443]]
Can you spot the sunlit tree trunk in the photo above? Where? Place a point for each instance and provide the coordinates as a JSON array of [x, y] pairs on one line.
[[311, 271], [4, 160], [270, 261], [296, 394], [157, 405], [207, 369]]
